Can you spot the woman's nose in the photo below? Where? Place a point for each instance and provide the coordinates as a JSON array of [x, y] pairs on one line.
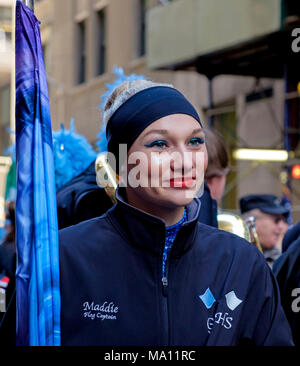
[[182, 161]]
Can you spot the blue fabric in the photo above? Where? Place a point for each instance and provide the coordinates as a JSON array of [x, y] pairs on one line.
[[142, 109], [171, 232], [37, 274]]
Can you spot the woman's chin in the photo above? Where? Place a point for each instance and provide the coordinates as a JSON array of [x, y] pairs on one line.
[[178, 197]]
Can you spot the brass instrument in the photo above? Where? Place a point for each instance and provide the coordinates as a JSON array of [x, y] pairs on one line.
[[106, 177], [233, 223], [250, 221]]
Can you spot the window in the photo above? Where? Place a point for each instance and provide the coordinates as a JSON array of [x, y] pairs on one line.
[[5, 14], [101, 42], [5, 105], [5, 25], [81, 54]]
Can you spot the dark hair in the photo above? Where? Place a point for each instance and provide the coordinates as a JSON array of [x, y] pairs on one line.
[[218, 159]]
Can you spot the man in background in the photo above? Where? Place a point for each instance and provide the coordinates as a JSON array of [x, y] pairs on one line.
[[270, 218]]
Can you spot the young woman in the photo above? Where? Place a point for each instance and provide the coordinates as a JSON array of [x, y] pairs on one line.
[[147, 272]]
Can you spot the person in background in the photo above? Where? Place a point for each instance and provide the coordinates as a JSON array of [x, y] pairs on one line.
[[8, 268], [270, 218], [218, 164], [215, 177], [8, 245], [287, 271]]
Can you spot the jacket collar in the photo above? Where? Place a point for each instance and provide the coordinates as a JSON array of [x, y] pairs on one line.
[[149, 232]]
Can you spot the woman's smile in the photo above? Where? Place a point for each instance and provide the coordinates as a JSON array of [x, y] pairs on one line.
[[182, 183]]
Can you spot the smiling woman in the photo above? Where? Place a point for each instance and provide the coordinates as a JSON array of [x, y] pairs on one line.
[[149, 255], [175, 157]]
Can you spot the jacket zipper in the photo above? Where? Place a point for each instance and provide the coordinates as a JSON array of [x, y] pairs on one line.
[[165, 312]]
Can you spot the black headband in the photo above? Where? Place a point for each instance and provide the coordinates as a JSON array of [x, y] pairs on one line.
[[142, 109]]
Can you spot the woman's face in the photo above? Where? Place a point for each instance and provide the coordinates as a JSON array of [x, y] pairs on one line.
[[166, 163]]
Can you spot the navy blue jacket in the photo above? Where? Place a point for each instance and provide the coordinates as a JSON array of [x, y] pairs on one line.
[[81, 199], [209, 208], [290, 236], [287, 272], [219, 289]]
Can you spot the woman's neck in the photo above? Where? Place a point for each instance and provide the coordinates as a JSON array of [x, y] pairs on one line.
[[169, 215]]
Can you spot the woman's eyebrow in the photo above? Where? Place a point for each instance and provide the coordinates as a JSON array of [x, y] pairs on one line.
[[162, 132], [165, 132], [197, 130]]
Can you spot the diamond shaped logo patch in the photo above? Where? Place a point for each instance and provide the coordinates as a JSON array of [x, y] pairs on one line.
[[232, 300], [207, 298]]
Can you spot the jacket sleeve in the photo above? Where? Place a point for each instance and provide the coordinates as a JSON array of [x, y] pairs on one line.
[[270, 326]]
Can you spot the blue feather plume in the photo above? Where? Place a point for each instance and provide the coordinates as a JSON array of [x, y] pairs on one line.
[[72, 154]]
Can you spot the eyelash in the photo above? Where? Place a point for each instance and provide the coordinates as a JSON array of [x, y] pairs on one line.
[[158, 143], [199, 140]]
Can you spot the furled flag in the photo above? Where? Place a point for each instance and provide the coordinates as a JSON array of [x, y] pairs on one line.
[[37, 275]]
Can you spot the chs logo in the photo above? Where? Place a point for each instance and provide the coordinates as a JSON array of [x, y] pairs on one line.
[[223, 319], [208, 299]]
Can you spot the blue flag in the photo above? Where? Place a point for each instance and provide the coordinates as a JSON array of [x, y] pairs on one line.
[[37, 275]]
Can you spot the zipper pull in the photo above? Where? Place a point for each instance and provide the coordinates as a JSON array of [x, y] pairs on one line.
[[164, 281]]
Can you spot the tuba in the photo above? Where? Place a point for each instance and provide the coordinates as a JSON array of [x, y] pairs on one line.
[[108, 179], [236, 225]]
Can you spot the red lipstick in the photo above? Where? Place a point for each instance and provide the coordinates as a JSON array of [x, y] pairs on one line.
[[181, 182]]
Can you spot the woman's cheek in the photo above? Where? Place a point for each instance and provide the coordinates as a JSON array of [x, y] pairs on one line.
[[155, 170]]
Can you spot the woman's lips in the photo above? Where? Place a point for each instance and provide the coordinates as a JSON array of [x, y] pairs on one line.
[[182, 182]]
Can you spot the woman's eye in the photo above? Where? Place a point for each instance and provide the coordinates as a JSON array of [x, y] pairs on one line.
[[197, 141], [159, 143]]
